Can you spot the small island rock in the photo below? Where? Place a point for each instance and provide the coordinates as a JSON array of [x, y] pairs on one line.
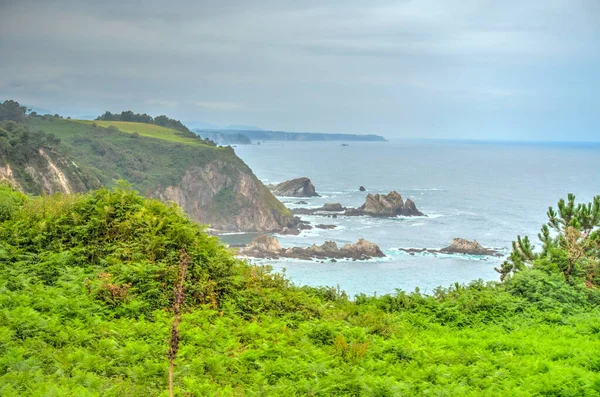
[[326, 227], [463, 246], [458, 246], [299, 187], [387, 205]]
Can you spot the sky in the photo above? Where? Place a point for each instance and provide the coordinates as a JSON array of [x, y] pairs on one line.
[[457, 69]]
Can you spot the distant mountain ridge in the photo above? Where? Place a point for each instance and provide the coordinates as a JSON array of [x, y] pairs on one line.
[[264, 135]]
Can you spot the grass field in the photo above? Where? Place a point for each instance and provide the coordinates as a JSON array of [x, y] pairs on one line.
[[147, 130]]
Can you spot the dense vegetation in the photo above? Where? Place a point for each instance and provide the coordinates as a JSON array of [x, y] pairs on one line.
[[17, 142], [87, 307]]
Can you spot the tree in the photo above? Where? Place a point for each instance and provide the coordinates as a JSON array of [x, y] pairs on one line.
[[570, 242], [126, 115], [13, 111], [107, 116]]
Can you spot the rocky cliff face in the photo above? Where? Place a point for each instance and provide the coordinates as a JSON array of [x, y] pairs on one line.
[[223, 194], [228, 198], [211, 184], [47, 172]]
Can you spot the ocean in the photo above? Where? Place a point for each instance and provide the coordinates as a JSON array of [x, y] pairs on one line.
[[490, 192]]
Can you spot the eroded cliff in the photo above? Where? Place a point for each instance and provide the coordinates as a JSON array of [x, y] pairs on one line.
[[228, 198], [47, 172]]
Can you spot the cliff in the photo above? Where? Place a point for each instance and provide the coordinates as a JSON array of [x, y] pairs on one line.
[[226, 197], [46, 172], [211, 184]]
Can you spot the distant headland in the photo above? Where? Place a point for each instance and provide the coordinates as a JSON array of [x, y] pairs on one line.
[[262, 135]]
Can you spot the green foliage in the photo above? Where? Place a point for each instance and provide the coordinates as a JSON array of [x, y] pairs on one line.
[[12, 111], [226, 202], [162, 120], [10, 201], [571, 243], [87, 282], [18, 143], [152, 131]]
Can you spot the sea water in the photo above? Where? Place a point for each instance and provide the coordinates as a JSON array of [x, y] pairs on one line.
[[490, 192]]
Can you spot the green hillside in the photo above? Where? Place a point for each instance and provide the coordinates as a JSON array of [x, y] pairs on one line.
[[113, 154], [148, 130], [159, 156], [87, 286]]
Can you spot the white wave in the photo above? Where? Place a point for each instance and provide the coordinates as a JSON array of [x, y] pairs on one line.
[[433, 215], [314, 260], [446, 256]]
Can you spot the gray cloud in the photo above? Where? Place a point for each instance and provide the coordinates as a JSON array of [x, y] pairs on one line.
[[431, 68]]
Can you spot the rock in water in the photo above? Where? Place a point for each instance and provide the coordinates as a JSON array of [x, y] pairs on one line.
[[386, 206], [326, 227], [332, 207], [299, 187], [362, 189], [263, 244], [410, 209], [362, 249], [463, 246], [458, 246], [268, 247]]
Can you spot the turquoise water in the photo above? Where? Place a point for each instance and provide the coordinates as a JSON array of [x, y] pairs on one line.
[[488, 192]]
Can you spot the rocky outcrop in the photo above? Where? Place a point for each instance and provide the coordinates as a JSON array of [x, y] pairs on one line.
[[325, 227], [299, 187], [332, 207], [458, 246], [7, 176], [378, 205], [47, 172], [228, 197], [463, 246], [362, 189], [269, 248], [388, 205]]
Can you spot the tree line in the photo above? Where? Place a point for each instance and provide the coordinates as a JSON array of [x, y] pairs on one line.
[[128, 115], [17, 142]]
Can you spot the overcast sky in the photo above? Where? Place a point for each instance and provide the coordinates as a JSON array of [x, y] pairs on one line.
[[509, 69]]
